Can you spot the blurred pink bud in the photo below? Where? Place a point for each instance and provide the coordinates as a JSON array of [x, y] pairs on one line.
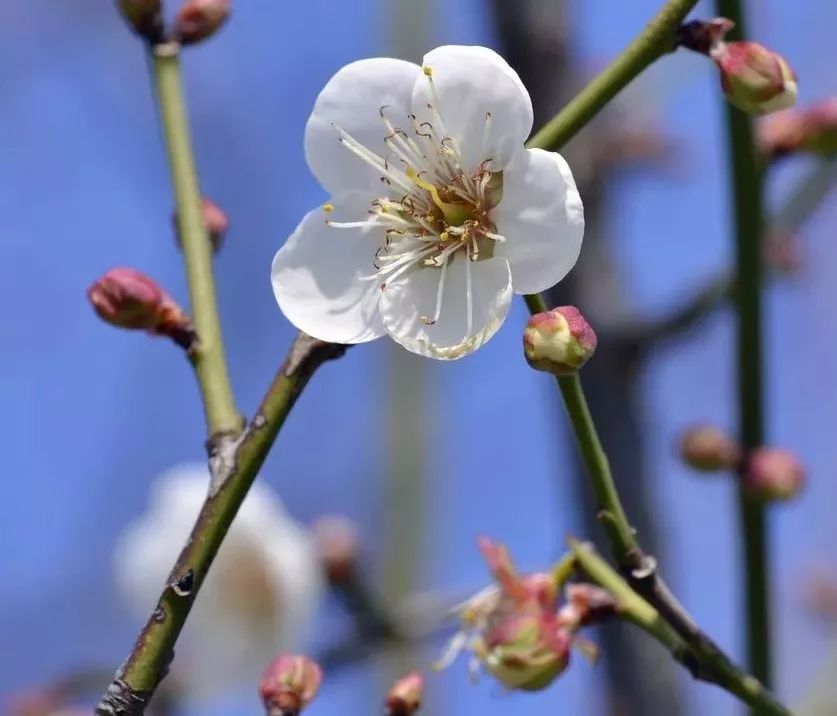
[[559, 341], [214, 219], [127, 298], [812, 130], [289, 684], [198, 20], [709, 449], [145, 17], [404, 698], [337, 541], [773, 474]]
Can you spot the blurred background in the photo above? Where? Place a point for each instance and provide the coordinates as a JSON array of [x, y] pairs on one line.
[[423, 456]]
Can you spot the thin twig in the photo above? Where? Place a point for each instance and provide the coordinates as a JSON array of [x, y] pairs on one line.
[[136, 680], [746, 192], [222, 417]]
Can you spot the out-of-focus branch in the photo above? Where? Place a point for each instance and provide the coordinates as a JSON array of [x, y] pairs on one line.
[[803, 202], [235, 469]]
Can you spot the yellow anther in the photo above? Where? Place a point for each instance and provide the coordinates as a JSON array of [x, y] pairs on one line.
[[427, 71], [328, 208]]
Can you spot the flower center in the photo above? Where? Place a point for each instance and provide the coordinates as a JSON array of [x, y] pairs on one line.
[[433, 208]]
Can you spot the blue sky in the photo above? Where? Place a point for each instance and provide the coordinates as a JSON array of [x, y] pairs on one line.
[[92, 415]]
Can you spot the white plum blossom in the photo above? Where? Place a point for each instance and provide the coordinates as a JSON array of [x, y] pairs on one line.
[[438, 214], [259, 597]]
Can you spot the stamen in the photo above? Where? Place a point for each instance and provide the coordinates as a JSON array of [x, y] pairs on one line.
[[469, 298], [495, 237], [440, 292]]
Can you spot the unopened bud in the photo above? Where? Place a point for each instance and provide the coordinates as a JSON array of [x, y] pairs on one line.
[[404, 698], [754, 78], [127, 298], [214, 219], [812, 130], [198, 20], [145, 17], [709, 449], [773, 474], [289, 684], [559, 341], [337, 540]]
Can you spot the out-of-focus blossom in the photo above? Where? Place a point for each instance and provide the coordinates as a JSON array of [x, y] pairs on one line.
[[438, 214], [811, 129], [289, 684], [709, 449], [559, 341], [773, 474], [259, 596]]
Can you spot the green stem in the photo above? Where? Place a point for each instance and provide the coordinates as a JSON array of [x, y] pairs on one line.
[[746, 191], [135, 682], [221, 413], [656, 40], [633, 607]]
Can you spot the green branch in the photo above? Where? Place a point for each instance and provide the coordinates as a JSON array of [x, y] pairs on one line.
[[746, 199], [634, 608], [136, 681], [222, 417], [656, 40]]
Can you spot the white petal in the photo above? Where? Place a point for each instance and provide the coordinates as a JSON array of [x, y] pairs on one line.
[[483, 104], [542, 218], [404, 302], [352, 100], [315, 274]]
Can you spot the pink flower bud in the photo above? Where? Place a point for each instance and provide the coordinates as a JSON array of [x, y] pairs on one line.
[[709, 449], [773, 474], [214, 219], [127, 298], [337, 540], [559, 341], [754, 78], [198, 20], [144, 17], [289, 684], [404, 698]]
